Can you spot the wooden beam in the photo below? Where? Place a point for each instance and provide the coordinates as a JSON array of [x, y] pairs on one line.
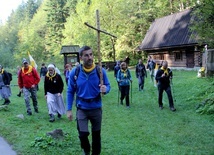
[[99, 30]]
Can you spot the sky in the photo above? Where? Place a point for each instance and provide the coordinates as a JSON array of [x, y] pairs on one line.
[[6, 7]]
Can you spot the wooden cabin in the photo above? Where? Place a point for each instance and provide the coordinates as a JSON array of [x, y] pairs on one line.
[[71, 54], [169, 38]]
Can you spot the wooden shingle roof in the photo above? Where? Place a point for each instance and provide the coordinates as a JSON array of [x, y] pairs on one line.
[[67, 49], [170, 32]]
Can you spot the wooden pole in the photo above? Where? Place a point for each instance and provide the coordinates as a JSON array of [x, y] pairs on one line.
[[98, 46], [100, 30], [98, 42]]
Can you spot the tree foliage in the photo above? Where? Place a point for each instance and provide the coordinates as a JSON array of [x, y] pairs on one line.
[[41, 27], [204, 25]]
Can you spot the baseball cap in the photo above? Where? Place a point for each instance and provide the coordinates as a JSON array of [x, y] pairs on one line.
[[24, 61]]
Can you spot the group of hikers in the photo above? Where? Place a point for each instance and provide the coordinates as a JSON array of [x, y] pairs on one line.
[[84, 87], [161, 77]]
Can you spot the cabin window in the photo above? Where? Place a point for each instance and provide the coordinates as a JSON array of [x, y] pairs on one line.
[[178, 56], [161, 56]]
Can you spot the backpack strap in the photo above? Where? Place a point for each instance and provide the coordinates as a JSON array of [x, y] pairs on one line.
[[77, 70], [76, 74]]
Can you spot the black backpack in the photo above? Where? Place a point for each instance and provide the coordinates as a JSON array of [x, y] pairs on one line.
[[10, 76]]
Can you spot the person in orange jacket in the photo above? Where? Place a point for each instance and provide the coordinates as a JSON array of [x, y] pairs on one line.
[[28, 79]]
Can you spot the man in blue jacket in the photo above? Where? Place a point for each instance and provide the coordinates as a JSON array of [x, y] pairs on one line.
[[88, 91]]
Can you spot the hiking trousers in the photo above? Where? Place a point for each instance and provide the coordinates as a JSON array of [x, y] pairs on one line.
[[169, 95], [95, 118], [125, 93], [30, 93]]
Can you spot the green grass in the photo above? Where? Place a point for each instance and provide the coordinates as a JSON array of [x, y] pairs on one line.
[[142, 129]]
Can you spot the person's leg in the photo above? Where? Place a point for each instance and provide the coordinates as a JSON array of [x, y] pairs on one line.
[[96, 120], [122, 96], [143, 80], [60, 106], [127, 88], [34, 99], [160, 96], [140, 82], [169, 94], [118, 86], [82, 127], [50, 105], [26, 95], [5, 94], [19, 94], [152, 75]]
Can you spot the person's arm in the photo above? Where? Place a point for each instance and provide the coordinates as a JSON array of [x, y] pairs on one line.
[[61, 84], [36, 76], [129, 75], [144, 70], [158, 75], [20, 81], [170, 73], [70, 94], [106, 82], [118, 76], [136, 71], [7, 78], [40, 72]]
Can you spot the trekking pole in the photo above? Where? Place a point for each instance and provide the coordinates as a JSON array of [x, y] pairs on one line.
[[131, 92], [118, 95], [173, 91], [14, 85]]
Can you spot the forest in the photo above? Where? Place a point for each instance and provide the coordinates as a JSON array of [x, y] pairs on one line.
[[42, 27]]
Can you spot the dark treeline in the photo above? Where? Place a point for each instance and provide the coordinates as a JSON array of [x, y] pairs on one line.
[[41, 27]]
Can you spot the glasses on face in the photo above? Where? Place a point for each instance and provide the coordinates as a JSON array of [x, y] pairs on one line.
[[50, 70]]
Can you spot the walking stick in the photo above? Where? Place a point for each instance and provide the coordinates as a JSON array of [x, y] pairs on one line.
[[118, 95], [131, 92], [173, 91], [98, 42]]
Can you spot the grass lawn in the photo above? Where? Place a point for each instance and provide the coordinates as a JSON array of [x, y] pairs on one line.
[[141, 129]]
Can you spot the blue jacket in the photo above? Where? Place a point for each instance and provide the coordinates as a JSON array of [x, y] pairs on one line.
[[87, 89], [124, 78]]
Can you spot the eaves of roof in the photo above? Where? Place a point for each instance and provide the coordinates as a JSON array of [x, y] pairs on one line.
[[170, 31], [66, 49]]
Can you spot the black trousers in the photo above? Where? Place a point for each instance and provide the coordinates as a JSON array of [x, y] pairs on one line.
[[167, 89], [141, 80], [125, 93]]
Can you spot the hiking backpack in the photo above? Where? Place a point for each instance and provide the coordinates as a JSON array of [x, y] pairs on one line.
[[10, 76]]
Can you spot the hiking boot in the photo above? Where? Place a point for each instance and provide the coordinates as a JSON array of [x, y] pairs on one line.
[[161, 107], [121, 102], [36, 110], [52, 119], [172, 109], [6, 102], [59, 115], [29, 113], [19, 94], [85, 153]]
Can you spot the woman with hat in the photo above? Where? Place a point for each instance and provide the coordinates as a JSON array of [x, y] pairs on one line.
[[53, 86]]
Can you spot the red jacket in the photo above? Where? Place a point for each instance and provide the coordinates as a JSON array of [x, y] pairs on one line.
[[29, 79]]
